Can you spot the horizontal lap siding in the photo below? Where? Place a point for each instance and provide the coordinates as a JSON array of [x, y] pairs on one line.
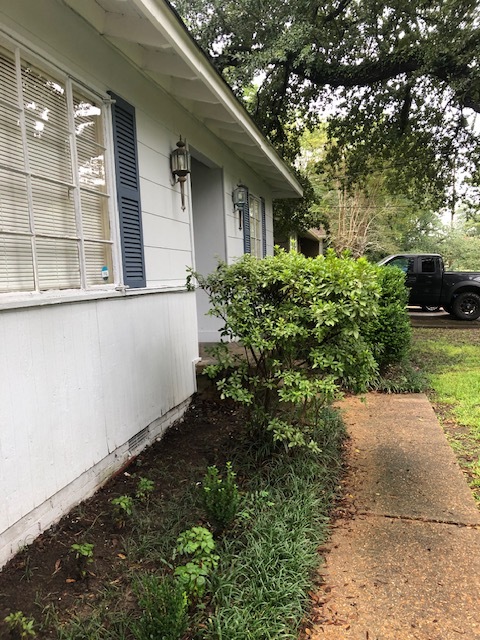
[[167, 231]]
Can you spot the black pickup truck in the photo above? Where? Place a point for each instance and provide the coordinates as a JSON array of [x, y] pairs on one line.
[[432, 287]]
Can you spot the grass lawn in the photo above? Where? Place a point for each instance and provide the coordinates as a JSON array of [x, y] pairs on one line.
[[451, 359]]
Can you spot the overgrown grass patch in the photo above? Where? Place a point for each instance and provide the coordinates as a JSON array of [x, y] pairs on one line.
[[261, 588], [451, 360]]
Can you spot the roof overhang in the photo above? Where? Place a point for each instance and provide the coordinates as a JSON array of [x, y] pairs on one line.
[[314, 234], [153, 37]]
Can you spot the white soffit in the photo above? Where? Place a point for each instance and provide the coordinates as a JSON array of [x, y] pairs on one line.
[[150, 34]]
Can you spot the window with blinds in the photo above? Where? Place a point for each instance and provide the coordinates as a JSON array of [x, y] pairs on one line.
[[54, 223]]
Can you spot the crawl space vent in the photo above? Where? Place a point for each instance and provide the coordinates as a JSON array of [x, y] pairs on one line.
[[138, 439]]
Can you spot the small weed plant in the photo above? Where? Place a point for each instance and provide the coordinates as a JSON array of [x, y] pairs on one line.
[[123, 509], [221, 497], [83, 555], [199, 545], [164, 606], [20, 625], [145, 489]]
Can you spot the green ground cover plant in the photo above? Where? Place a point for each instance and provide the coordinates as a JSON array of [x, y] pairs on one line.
[[20, 626], [451, 359], [266, 568], [164, 607]]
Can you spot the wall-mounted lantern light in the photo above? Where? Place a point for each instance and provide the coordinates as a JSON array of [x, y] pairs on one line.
[[239, 197], [180, 164]]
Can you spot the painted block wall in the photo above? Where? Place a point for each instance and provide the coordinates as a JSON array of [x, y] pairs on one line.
[[77, 382]]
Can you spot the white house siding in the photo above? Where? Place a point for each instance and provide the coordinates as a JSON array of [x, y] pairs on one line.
[[79, 381]]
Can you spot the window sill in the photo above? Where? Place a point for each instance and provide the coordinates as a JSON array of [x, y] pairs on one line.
[[20, 301]]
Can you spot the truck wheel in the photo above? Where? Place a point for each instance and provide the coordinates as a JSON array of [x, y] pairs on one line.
[[466, 306], [431, 309]]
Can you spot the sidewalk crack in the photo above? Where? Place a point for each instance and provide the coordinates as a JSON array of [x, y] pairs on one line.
[[469, 525]]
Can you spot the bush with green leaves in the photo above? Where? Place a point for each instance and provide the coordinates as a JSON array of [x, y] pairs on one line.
[[145, 488], [164, 606], [299, 321], [221, 497], [199, 545], [389, 332]]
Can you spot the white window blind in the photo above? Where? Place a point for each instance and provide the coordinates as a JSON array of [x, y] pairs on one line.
[[54, 223]]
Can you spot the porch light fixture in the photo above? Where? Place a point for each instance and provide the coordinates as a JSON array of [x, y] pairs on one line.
[[239, 197], [180, 164]]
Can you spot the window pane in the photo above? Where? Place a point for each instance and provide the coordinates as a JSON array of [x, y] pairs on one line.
[[46, 187], [98, 256], [16, 265], [48, 150], [91, 166], [58, 264], [53, 208], [95, 216], [255, 228], [88, 123], [13, 202], [428, 265], [44, 98], [11, 148], [8, 77]]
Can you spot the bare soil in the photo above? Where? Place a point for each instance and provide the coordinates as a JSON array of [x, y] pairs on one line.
[[45, 574]]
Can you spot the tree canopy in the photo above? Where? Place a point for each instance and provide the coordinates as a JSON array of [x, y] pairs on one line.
[[398, 80]]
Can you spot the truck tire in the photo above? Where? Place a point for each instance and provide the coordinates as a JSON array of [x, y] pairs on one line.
[[466, 306], [431, 309]]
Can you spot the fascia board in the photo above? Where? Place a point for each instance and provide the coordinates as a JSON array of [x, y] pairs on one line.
[[164, 19]]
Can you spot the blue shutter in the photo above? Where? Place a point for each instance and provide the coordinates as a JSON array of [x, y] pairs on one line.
[[264, 227], [247, 245], [128, 192]]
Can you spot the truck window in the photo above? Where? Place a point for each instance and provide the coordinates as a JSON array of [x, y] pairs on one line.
[[428, 265], [403, 263]]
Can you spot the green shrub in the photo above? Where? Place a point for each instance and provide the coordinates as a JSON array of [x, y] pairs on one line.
[[389, 333], [145, 488], [299, 321], [164, 608], [221, 497]]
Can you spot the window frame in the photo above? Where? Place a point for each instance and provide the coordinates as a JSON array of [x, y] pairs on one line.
[[22, 54]]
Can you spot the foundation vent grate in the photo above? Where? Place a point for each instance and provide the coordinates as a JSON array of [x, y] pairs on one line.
[[138, 439]]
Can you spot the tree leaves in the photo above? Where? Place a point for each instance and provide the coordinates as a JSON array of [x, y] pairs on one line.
[[396, 78]]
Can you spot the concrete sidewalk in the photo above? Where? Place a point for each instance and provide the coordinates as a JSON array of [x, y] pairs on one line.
[[404, 556]]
